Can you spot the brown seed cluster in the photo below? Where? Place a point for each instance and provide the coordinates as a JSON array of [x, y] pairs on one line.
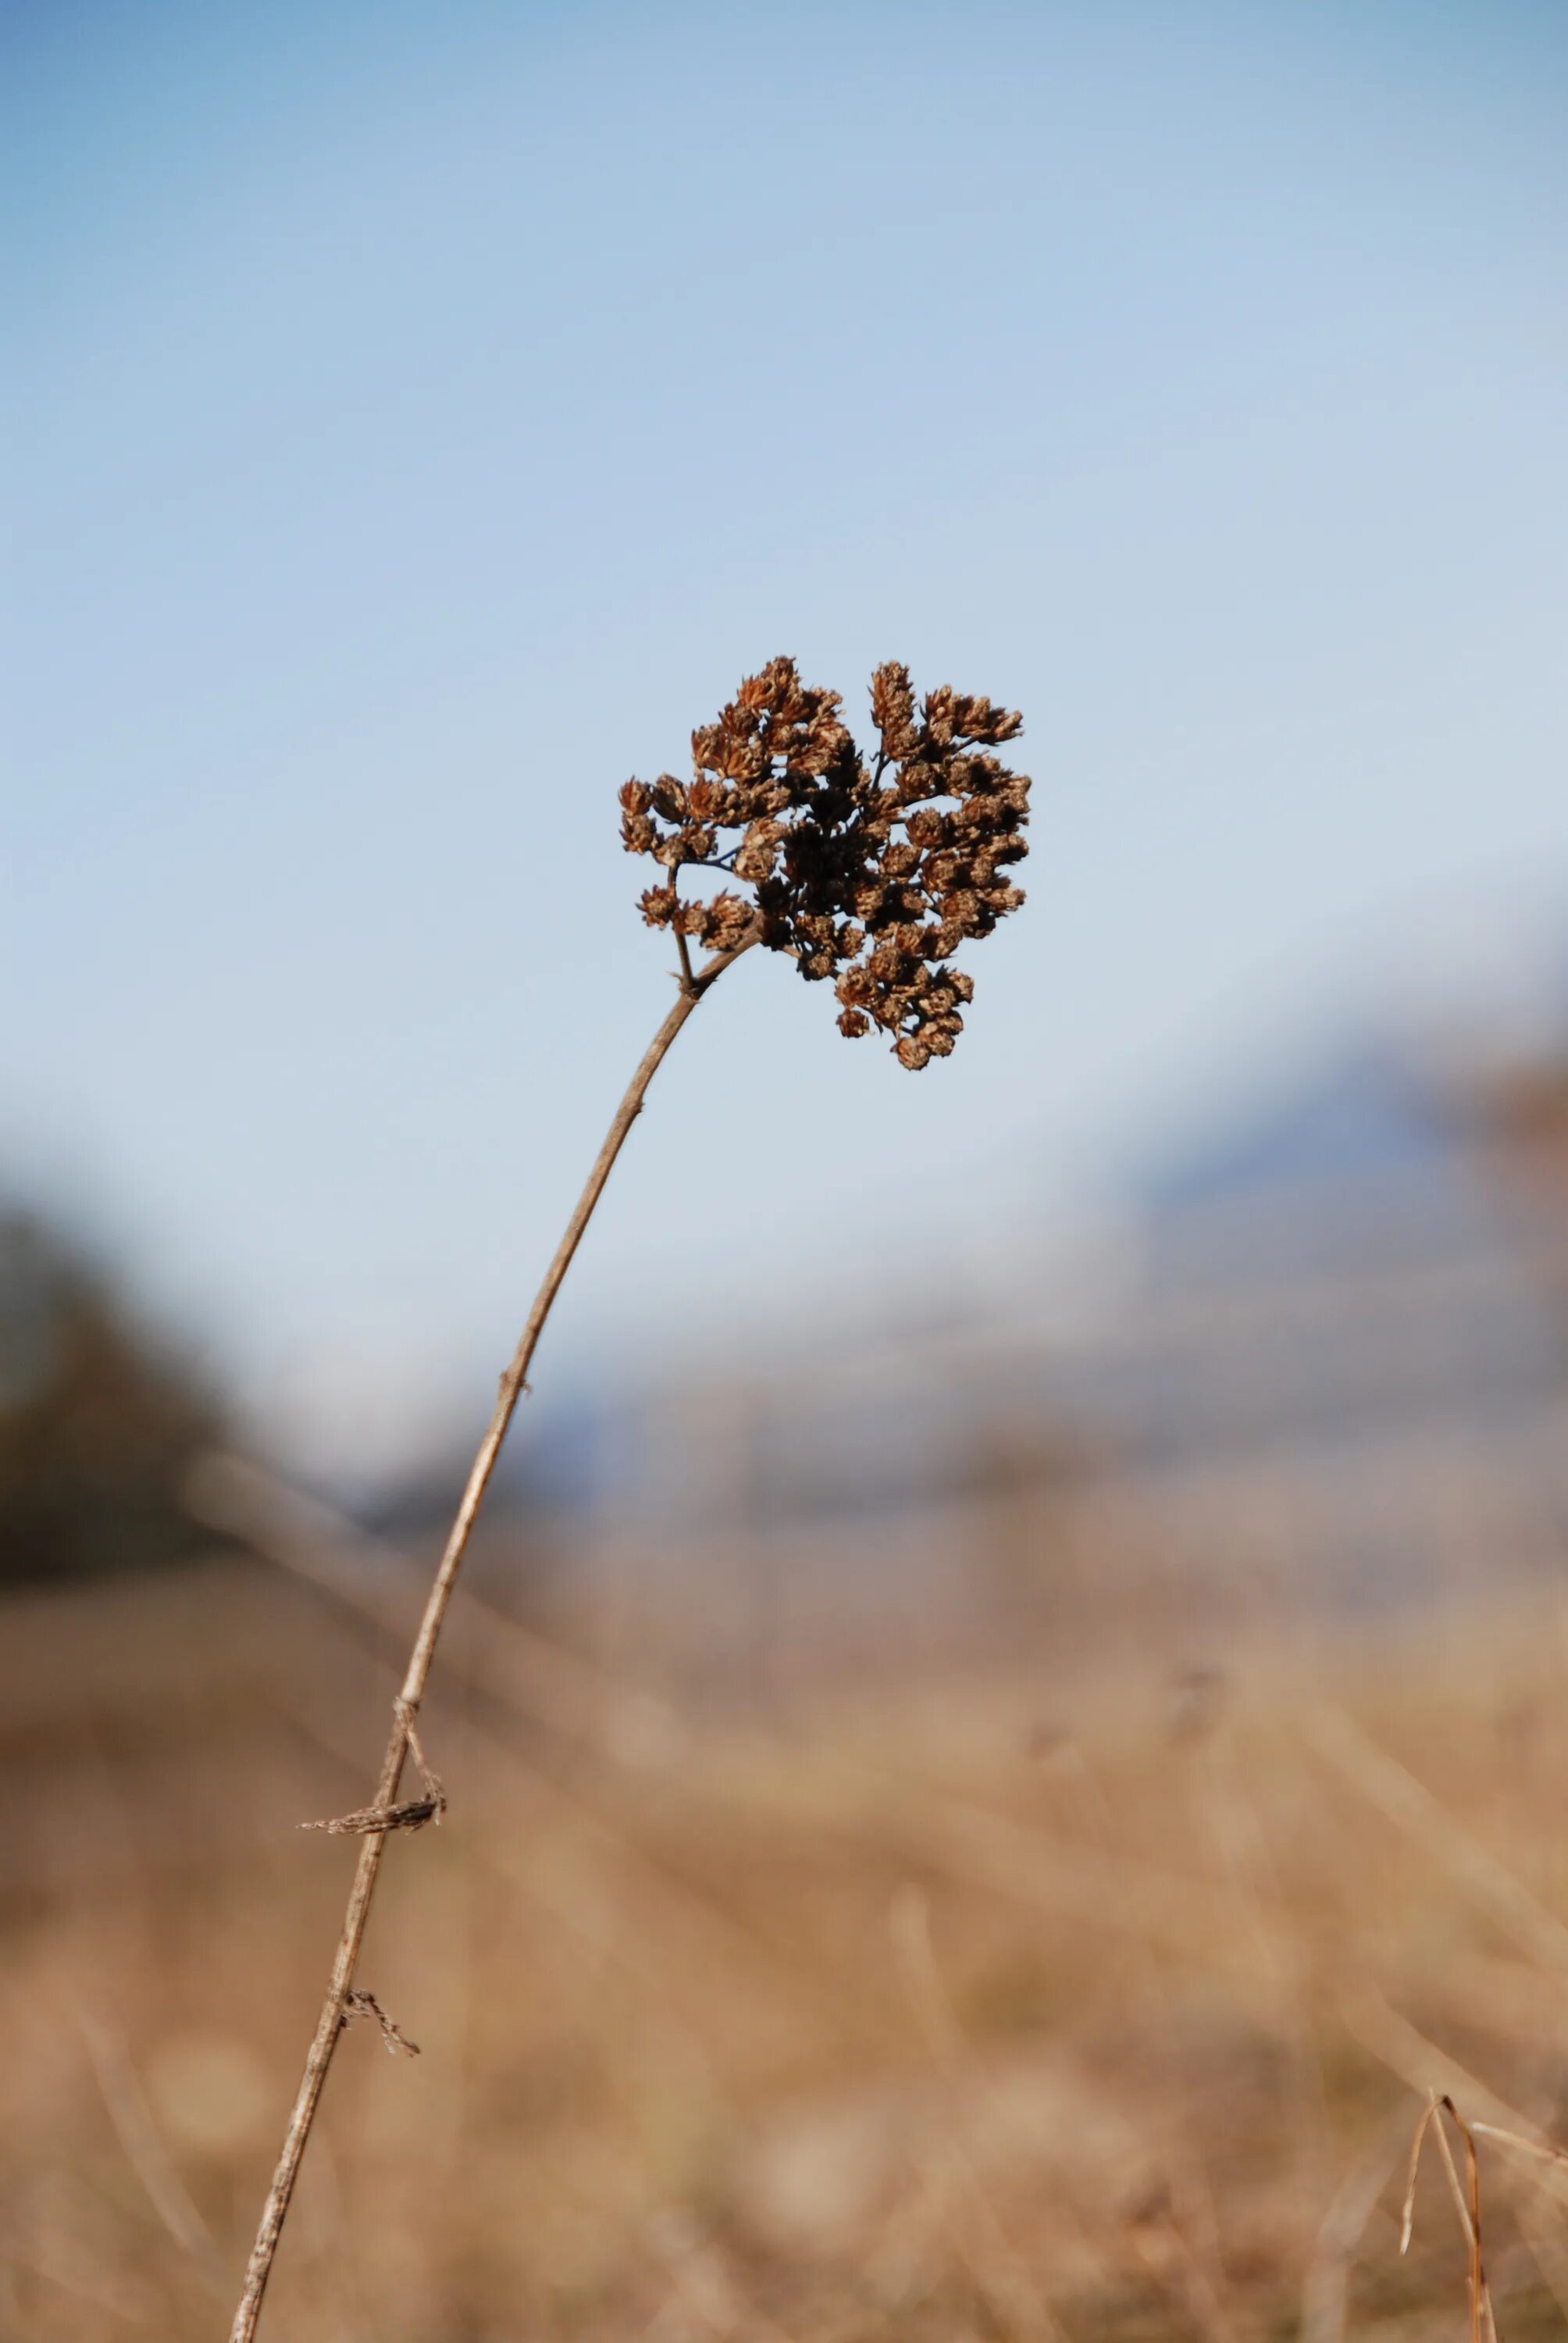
[[872, 874]]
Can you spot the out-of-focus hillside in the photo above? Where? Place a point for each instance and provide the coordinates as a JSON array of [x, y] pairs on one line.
[[99, 1419], [1334, 1385]]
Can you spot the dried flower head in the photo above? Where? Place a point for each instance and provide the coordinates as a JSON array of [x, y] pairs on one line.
[[870, 874]]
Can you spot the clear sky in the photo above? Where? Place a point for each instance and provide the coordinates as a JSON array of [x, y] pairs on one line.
[[422, 416]]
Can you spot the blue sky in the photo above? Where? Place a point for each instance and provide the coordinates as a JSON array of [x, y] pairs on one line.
[[422, 416]]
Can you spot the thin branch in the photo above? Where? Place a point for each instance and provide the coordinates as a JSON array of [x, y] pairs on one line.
[[682, 945], [1351, 2208], [373, 1580], [1407, 2220], [1466, 2202], [1408, 1803], [1547, 2153], [1482, 2320], [334, 2008], [146, 2153]]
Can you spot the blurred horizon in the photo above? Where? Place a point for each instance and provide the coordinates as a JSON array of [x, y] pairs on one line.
[[1065, 1264]]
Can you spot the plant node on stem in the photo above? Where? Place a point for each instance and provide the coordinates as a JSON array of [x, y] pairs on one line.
[[871, 875], [338, 2003]]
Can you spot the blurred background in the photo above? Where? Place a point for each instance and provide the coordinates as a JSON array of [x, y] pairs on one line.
[[1006, 1725]]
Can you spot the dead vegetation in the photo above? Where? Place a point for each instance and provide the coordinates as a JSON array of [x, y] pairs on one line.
[[999, 2002], [903, 860]]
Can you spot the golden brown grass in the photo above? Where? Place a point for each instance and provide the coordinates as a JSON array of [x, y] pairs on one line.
[[994, 2003]]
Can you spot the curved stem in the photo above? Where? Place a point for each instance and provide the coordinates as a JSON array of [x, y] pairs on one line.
[[330, 2024]]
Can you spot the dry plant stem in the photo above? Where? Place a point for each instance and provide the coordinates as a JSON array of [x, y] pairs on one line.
[[334, 2007], [1467, 2204]]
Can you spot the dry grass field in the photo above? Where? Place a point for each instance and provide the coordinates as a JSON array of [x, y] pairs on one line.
[[1009, 2001]]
